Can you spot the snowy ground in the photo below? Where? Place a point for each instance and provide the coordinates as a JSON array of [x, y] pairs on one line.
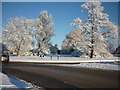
[[58, 59], [9, 82], [108, 64]]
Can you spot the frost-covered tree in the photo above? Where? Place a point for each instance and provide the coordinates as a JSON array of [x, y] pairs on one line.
[[101, 31], [17, 34], [72, 41], [97, 31], [44, 31], [75, 41]]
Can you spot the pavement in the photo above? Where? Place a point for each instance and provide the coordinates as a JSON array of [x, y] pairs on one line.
[[50, 76]]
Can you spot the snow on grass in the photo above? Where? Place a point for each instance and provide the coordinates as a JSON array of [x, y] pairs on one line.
[[56, 59], [106, 66], [9, 82]]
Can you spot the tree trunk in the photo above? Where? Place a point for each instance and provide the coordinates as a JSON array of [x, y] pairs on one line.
[[92, 47], [18, 48], [38, 53], [92, 35], [18, 53], [38, 49]]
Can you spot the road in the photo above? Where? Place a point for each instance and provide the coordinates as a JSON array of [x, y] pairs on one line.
[[51, 76]]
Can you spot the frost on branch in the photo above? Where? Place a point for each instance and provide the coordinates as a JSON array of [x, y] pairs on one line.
[[21, 34], [96, 33], [44, 32], [17, 34], [73, 42]]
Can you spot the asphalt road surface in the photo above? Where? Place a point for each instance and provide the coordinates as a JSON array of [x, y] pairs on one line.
[[51, 76]]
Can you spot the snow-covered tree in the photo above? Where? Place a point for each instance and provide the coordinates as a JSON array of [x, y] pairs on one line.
[[44, 31], [17, 34], [101, 31], [96, 32], [75, 42], [72, 40]]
